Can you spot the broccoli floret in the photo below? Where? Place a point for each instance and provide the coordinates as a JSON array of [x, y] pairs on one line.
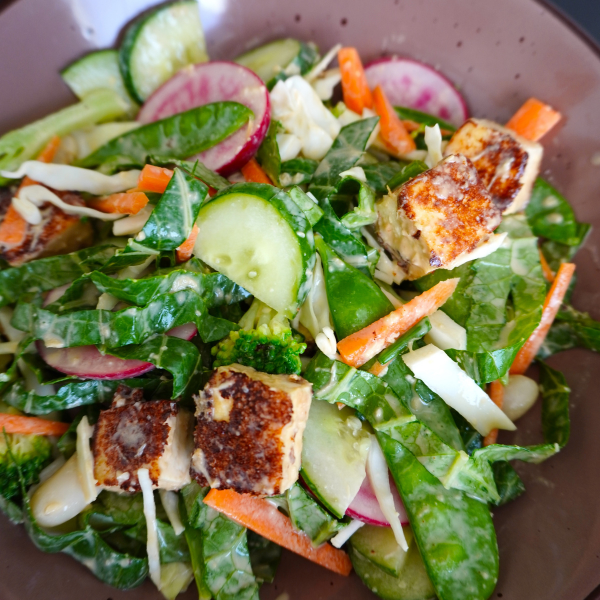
[[264, 342], [31, 452]]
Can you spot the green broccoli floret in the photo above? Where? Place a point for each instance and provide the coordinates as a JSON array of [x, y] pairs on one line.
[[264, 342], [32, 453]]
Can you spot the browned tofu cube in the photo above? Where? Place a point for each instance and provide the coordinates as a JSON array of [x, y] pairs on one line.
[[58, 232], [249, 432], [154, 435], [440, 218], [506, 162]]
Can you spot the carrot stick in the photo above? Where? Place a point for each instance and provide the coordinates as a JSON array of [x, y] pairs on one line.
[[253, 172], [127, 203], [546, 270], [14, 227], [361, 346], [553, 301], [496, 393], [355, 88], [393, 131], [534, 119], [263, 517], [184, 252], [22, 424], [154, 179]]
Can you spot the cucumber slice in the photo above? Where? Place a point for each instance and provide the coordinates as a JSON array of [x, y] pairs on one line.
[[411, 584], [257, 236], [334, 455], [379, 545], [279, 59], [97, 70], [159, 44]]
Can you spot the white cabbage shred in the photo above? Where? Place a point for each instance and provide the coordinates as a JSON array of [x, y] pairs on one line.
[[67, 177], [151, 525], [301, 112]]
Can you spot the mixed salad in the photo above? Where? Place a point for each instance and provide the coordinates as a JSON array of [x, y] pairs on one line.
[[276, 302]]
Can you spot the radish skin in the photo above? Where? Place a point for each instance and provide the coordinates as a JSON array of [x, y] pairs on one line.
[[416, 85], [216, 81]]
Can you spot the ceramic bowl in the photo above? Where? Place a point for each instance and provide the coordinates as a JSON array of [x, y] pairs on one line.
[[499, 53]]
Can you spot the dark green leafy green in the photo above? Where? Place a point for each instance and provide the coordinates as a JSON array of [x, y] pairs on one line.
[[355, 300], [311, 210], [364, 214], [193, 168], [268, 153], [70, 395], [178, 136], [48, 273], [550, 216], [485, 367], [335, 381], [455, 534], [379, 173], [571, 329], [347, 150], [173, 218], [297, 171], [508, 483], [127, 326], [264, 557], [227, 571], [214, 288], [414, 333], [533, 454], [556, 423], [308, 516], [180, 358], [411, 114], [416, 167], [86, 545], [302, 63]]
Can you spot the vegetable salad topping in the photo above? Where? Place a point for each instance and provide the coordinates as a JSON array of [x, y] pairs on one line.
[[290, 295]]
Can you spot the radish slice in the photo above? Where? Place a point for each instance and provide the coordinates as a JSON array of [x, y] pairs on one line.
[[87, 361], [416, 85], [216, 81], [365, 506]]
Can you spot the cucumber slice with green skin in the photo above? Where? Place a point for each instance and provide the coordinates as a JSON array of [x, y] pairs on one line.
[[97, 70], [379, 545], [334, 455], [279, 59], [159, 44], [411, 584], [257, 236]]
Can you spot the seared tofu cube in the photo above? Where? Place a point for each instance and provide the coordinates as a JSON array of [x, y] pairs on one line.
[[57, 233], [506, 162], [438, 218], [249, 432], [155, 435]]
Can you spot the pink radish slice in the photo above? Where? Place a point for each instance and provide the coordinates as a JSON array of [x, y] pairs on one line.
[[416, 85], [87, 362], [365, 506], [216, 81]]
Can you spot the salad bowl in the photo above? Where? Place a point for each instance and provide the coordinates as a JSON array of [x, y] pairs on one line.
[[498, 54]]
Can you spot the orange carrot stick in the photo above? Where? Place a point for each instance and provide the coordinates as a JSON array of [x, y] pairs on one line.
[[125, 203], [14, 227], [360, 347], [252, 171], [154, 179], [393, 131], [22, 424], [184, 252], [552, 304], [263, 517], [534, 119], [546, 270], [355, 88], [496, 393]]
